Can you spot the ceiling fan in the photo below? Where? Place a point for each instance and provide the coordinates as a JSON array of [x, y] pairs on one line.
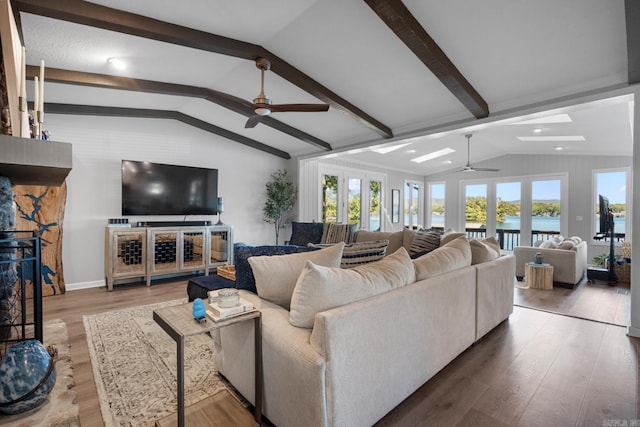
[[262, 105], [468, 167]]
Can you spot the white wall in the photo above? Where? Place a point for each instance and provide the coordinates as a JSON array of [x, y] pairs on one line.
[[94, 184]]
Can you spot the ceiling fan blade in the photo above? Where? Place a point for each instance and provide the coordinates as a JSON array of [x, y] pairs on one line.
[[486, 170], [299, 107], [253, 121]]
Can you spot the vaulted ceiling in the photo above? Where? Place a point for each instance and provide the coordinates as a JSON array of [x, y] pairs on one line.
[[390, 71]]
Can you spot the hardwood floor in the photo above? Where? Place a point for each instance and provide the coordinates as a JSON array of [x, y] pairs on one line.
[[594, 301], [536, 368], [71, 306]]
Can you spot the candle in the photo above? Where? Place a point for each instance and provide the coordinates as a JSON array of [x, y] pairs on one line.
[[41, 95], [23, 82], [36, 98]]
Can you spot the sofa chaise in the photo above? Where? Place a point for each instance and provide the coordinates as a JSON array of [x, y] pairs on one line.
[[344, 346]]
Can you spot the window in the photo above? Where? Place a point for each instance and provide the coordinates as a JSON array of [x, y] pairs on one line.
[[329, 198], [613, 185], [354, 200], [375, 205], [508, 196], [545, 209], [475, 208], [413, 212], [353, 197], [436, 204]]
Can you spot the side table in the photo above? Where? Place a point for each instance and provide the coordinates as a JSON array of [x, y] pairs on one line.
[[539, 276], [178, 322]]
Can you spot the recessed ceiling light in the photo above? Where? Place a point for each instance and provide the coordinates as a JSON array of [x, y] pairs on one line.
[[448, 162], [566, 138], [556, 118], [558, 147], [537, 130], [433, 155], [117, 63], [389, 148], [411, 151]]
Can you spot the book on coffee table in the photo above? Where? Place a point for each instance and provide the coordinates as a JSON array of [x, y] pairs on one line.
[[217, 313]]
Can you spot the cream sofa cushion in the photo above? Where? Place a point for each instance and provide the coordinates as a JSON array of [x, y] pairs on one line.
[[449, 236], [484, 250], [394, 238], [452, 256], [276, 276], [321, 288]]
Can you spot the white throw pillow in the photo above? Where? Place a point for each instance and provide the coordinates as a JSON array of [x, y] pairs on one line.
[[452, 256], [276, 276], [322, 288], [484, 250], [449, 236]]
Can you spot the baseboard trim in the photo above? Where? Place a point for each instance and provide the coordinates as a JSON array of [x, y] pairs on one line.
[[85, 285], [633, 332]]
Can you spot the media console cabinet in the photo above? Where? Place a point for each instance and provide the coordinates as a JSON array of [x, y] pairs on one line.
[[155, 251]]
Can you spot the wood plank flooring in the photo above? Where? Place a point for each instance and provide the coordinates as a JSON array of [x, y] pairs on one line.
[[535, 369], [588, 300]]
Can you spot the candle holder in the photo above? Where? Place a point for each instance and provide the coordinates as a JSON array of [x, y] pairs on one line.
[[220, 209]]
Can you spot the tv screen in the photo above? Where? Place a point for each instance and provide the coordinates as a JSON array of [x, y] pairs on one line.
[[159, 189], [603, 211]]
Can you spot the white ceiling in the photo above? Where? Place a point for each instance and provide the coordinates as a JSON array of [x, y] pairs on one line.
[[514, 53]]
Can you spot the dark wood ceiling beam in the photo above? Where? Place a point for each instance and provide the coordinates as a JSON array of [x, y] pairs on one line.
[[231, 102], [400, 20], [86, 13], [632, 16], [94, 110]]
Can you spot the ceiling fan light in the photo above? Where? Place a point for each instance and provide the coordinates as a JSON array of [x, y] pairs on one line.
[[262, 111]]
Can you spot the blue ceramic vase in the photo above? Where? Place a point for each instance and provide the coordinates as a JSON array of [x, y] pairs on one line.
[[27, 376]]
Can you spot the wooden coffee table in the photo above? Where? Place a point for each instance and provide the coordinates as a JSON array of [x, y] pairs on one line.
[[178, 322]]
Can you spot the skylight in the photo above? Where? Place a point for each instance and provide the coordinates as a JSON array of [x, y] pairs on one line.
[[388, 149], [433, 155], [556, 118], [563, 138]]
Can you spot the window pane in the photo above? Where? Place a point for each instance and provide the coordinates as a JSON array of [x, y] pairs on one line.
[[476, 206], [545, 209], [412, 204], [612, 185], [329, 198], [354, 198], [375, 211], [508, 213], [437, 205]]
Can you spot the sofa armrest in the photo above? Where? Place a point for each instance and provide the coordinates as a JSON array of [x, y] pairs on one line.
[[293, 372], [405, 336], [495, 292]]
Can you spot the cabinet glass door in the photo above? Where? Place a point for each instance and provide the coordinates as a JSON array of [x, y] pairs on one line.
[[193, 247], [130, 253], [163, 251]]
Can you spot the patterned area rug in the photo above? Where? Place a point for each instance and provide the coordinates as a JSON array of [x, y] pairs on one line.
[[134, 366], [61, 407]]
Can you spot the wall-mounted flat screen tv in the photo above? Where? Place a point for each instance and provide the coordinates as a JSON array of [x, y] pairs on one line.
[[159, 189]]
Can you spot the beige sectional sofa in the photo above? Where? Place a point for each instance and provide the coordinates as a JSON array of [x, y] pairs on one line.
[[567, 256], [350, 360]]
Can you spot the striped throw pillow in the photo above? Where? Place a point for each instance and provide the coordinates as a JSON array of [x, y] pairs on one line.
[[360, 253], [424, 242], [336, 233]]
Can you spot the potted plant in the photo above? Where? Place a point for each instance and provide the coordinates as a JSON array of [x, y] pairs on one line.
[[281, 197]]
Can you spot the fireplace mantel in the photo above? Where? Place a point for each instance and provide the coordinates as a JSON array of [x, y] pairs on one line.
[[34, 162]]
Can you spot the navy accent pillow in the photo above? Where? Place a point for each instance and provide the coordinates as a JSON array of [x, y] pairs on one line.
[[244, 273], [303, 233]]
